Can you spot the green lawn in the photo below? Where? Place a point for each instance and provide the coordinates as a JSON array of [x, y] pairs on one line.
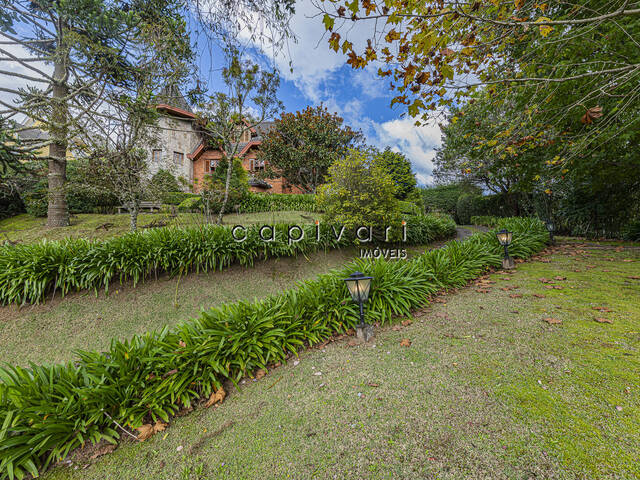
[[487, 389], [27, 229]]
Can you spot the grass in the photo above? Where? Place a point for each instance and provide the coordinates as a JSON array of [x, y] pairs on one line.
[[25, 228], [486, 390], [48, 333]]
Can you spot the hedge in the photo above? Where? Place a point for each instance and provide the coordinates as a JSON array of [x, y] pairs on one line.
[[486, 220], [30, 272], [257, 202], [47, 411]]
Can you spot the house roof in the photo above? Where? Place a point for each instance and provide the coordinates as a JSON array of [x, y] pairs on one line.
[[171, 100], [34, 133], [242, 148]]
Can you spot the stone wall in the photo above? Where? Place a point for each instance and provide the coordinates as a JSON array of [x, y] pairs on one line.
[[174, 135]]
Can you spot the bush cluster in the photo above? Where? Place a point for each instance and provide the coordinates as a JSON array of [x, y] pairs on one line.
[[30, 272], [46, 411], [485, 220], [260, 202]]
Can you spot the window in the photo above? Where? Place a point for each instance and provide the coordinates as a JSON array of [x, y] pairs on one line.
[[156, 156], [178, 158], [211, 165], [257, 165]]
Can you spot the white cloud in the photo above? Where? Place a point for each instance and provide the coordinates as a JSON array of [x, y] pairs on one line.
[[419, 144]]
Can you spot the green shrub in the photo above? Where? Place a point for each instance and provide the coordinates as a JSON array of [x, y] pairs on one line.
[[36, 202], [409, 208], [190, 203], [631, 231], [164, 181], [46, 411], [176, 198], [359, 191], [468, 206], [28, 272], [444, 198], [485, 220], [265, 202]]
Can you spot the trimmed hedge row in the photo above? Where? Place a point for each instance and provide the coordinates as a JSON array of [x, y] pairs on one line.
[[256, 202], [46, 411], [30, 272], [486, 220]]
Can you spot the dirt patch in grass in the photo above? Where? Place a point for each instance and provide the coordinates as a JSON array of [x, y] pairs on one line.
[[485, 390]]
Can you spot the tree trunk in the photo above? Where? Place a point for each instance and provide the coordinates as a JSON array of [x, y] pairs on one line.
[[133, 217], [226, 192], [57, 212]]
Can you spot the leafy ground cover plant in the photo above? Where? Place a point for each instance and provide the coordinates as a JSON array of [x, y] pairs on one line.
[[47, 411], [31, 272]]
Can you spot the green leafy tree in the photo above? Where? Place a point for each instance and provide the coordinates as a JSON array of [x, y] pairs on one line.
[[229, 118], [302, 145], [214, 188], [399, 167], [436, 53], [359, 191]]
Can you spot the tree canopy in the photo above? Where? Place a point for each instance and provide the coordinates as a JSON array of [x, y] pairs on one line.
[[301, 146]]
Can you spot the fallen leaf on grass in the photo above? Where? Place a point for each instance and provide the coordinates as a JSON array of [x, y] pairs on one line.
[[260, 373], [515, 295], [396, 328], [545, 280], [406, 322], [374, 385], [560, 278], [352, 343], [539, 295], [147, 430], [405, 342], [634, 277], [216, 397], [591, 266], [482, 290], [628, 260], [552, 321], [602, 309], [603, 320]]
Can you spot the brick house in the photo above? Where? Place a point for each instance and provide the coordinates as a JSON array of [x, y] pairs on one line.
[[181, 150], [205, 160]]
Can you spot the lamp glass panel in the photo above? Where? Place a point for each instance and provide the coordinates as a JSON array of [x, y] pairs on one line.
[[364, 285], [502, 237], [550, 226], [352, 285], [359, 287], [509, 237]]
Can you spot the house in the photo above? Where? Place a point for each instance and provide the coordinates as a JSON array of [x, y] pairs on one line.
[[30, 133], [182, 150], [176, 136], [205, 160]]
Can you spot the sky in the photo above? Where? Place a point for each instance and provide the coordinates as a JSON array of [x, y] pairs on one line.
[[321, 76]]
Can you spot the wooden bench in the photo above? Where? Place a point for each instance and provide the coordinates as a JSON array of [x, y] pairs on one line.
[[151, 206]]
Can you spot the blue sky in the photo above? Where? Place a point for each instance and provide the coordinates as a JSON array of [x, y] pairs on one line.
[[321, 75]]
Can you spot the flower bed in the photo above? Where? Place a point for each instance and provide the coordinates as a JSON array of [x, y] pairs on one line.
[[46, 411], [29, 273]]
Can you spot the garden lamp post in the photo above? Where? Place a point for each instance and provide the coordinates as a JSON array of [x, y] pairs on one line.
[[550, 228], [505, 237], [359, 286]]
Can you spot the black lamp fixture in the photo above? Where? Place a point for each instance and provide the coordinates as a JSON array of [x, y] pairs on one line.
[[359, 286], [505, 237], [550, 228]]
